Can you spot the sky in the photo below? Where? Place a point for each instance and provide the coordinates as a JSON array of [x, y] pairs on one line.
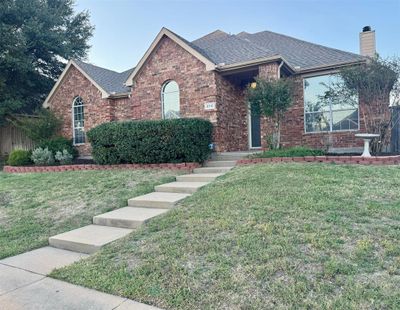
[[124, 29]]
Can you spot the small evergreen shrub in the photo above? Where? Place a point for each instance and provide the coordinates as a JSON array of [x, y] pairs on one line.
[[19, 158], [147, 142], [64, 157], [42, 157], [59, 144], [299, 151]]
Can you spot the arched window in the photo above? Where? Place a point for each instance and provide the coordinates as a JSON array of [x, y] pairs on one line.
[[170, 100], [78, 120]]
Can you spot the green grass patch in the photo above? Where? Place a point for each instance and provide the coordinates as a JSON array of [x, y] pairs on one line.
[[299, 151], [35, 206], [284, 236]]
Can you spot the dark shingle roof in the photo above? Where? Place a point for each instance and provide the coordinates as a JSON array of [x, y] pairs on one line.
[[111, 81], [221, 47]]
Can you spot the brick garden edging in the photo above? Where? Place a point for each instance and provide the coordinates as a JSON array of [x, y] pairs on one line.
[[181, 166], [374, 160]]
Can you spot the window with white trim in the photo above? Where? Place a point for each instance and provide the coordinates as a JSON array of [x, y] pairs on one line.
[[170, 100], [78, 120], [327, 115]]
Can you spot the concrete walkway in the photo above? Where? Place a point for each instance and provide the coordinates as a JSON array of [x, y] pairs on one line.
[[23, 278]]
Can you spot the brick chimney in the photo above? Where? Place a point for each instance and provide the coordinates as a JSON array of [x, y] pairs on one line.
[[367, 42]]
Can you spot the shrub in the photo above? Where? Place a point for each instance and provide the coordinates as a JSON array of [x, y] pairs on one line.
[[160, 141], [64, 157], [299, 151], [41, 126], [59, 144], [42, 157], [19, 158]]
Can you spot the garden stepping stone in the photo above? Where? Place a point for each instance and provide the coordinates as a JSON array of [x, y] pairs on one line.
[[157, 200], [43, 260], [88, 239], [212, 170], [199, 177], [127, 217], [180, 187]]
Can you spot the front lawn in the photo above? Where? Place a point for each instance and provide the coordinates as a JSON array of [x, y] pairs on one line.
[[35, 206], [281, 236]]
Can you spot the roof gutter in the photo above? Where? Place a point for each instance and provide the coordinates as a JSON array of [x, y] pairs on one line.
[[244, 64], [329, 67], [279, 69]]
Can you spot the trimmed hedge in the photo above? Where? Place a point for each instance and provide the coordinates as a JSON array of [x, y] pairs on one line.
[[19, 158], [151, 142], [298, 151]]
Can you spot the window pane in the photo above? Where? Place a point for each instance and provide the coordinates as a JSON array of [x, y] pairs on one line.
[[316, 122], [314, 88], [78, 121], [170, 98], [337, 113], [345, 120]]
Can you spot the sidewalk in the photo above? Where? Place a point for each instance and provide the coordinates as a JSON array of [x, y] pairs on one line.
[[25, 290]]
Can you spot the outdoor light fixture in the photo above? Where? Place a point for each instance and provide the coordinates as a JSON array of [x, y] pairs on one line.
[[253, 85]]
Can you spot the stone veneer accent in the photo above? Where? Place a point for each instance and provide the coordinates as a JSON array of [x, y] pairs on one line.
[[197, 86]]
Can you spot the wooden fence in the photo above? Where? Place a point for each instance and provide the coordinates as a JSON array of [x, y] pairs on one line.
[[12, 138]]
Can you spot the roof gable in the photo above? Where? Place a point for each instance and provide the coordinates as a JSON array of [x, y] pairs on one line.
[[108, 82], [188, 46]]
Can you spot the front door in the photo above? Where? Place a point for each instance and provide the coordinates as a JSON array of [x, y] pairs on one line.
[[254, 131]]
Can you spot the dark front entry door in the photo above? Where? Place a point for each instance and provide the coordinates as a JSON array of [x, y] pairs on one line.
[[255, 131]]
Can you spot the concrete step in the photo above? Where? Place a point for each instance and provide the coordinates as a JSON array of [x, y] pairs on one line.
[[212, 170], [157, 200], [128, 217], [88, 239], [228, 156], [220, 163], [43, 260], [180, 187], [198, 177]]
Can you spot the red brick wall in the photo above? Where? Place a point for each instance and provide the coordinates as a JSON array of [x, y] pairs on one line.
[[97, 110], [231, 129], [197, 86], [293, 134]]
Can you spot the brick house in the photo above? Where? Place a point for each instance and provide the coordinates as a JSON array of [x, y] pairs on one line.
[[206, 78]]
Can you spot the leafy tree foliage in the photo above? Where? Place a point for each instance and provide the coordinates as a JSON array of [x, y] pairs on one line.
[[40, 127], [271, 98], [377, 85], [37, 37]]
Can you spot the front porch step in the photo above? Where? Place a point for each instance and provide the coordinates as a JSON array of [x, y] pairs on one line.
[[212, 170], [199, 177], [220, 163], [180, 187], [157, 200], [88, 239], [228, 156], [128, 217]]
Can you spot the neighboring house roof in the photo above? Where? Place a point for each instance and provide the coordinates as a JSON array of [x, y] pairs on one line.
[[108, 82]]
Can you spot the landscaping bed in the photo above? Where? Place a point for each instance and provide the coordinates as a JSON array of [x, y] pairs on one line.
[[279, 236], [34, 207]]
